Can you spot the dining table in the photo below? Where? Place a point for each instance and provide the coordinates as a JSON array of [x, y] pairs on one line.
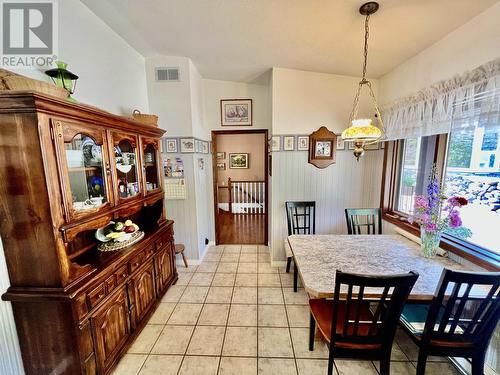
[[317, 257]]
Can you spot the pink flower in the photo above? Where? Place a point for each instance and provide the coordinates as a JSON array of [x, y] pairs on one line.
[[457, 201], [421, 202], [431, 227], [455, 220]]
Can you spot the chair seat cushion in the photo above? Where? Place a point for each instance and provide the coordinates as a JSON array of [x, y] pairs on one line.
[[322, 311], [288, 250]]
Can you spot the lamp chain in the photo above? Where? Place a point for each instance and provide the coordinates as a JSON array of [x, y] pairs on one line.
[[367, 34]]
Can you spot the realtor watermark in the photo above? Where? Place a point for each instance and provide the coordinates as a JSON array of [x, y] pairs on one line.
[[29, 33]]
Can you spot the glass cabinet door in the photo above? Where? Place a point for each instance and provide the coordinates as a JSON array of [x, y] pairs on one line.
[[126, 166], [84, 165], [151, 165]]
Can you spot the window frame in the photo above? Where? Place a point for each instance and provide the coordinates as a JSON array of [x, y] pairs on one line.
[[476, 254]]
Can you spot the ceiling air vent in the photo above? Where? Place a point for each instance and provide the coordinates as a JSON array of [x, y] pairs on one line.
[[167, 74]]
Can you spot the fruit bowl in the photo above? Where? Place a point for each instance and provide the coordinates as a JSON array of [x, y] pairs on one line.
[[116, 231]]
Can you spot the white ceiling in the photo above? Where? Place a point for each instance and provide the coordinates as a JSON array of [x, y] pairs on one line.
[[241, 39]]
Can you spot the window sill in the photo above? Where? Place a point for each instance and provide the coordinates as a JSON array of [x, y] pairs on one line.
[[474, 254]]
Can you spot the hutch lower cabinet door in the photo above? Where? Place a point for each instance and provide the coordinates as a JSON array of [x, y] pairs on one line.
[[142, 290], [111, 328], [164, 266]]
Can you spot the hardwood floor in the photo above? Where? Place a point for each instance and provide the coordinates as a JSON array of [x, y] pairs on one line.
[[241, 228]]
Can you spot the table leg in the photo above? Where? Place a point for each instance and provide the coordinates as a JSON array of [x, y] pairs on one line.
[[295, 276]]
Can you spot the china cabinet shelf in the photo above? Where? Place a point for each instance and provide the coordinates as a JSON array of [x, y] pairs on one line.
[[82, 169]]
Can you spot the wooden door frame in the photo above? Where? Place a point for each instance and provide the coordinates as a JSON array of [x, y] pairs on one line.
[[266, 175]]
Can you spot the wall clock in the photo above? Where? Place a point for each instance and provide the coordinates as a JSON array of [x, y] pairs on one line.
[[322, 146]]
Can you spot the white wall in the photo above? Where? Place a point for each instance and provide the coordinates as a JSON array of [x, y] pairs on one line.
[[302, 102], [112, 73], [473, 44]]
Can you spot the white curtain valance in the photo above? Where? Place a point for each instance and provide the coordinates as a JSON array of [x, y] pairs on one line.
[[430, 111]]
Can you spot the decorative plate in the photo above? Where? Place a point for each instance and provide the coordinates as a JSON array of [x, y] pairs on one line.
[[114, 246]]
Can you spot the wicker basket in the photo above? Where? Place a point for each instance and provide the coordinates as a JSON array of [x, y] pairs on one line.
[[145, 119], [16, 82]]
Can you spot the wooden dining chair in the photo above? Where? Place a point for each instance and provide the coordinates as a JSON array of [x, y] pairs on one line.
[[301, 219], [456, 323], [360, 218], [357, 326]]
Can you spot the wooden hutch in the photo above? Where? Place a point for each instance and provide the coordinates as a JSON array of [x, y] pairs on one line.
[[66, 170]]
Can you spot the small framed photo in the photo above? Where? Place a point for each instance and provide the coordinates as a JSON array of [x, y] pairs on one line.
[[205, 147], [236, 112], [198, 146], [187, 145], [288, 143], [221, 155], [350, 145], [238, 161], [172, 145], [372, 147], [275, 143], [221, 166], [340, 143], [303, 143]]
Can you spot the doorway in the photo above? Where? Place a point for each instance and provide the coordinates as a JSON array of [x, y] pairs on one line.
[[240, 165]]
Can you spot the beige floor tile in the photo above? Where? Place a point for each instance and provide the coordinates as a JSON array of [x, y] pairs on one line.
[[397, 354], [270, 296], [240, 342], [274, 342], [194, 365], [274, 366], [244, 295], [295, 298], [212, 257], [249, 249], [263, 249], [185, 314], [184, 278], [272, 316], [146, 339], [223, 279], [439, 368], [206, 340], [313, 366], [269, 280], [182, 269], [194, 294], [173, 340], [207, 267], [214, 315], [287, 280], [173, 294], [247, 268], [298, 315], [266, 268], [348, 367], [400, 368], [216, 249], [162, 313], [201, 279], [239, 366], [232, 249], [161, 364], [219, 294], [227, 267], [243, 315], [300, 339], [230, 257], [130, 364], [410, 349], [248, 258], [246, 279], [264, 258]]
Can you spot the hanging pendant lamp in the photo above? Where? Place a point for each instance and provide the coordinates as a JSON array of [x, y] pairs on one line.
[[361, 131]]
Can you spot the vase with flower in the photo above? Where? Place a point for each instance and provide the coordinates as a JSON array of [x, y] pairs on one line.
[[436, 213]]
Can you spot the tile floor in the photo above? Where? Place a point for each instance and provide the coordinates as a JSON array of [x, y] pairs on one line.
[[235, 314]]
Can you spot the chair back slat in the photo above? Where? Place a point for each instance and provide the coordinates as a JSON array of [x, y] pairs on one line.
[[463, 316], [369, 320], [301, 217], [364, 220]]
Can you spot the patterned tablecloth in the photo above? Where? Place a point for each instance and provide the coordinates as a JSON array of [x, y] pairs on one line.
[[319, 256]]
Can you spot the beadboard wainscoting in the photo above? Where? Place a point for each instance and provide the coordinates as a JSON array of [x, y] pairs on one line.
[[347, 183]]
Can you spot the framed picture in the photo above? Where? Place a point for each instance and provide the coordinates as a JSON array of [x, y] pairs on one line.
[[302, 143], [172, 146], [221, 166], [275, 143], [322, 145], [238, 161], [236, 112], [221, 155], [372, 147], [288, 143], [187, 145], [204, 147], [340, 143], [198, 146], [350, 145]]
